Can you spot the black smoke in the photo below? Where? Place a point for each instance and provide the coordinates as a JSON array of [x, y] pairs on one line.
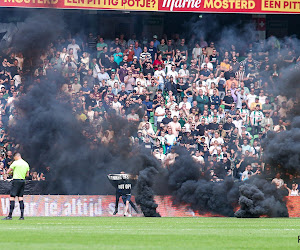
[[49, 134], [145, 194], [283, 149], [38, 30], [188, 186], [256, 197], [147, 168], [259, 197]]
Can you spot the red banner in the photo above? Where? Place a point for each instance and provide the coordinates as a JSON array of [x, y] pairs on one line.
[[103, 205], [211, 6]]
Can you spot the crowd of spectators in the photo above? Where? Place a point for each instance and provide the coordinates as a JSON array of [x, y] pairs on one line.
[[213, 99], [11, 87]]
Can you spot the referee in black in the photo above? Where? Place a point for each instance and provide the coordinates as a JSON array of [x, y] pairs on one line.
[[20, 169]]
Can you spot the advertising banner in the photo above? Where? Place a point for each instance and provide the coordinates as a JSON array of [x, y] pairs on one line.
[[86, 205], [103, 205], [211, 6]]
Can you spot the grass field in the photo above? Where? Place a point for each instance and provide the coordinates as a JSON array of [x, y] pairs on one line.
[[149, 233]]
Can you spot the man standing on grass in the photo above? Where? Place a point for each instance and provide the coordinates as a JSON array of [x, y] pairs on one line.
[[20, 169], [123, 183]]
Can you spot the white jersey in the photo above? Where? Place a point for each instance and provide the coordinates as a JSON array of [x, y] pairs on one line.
[[245, 114], [160, 75], [255, 117]]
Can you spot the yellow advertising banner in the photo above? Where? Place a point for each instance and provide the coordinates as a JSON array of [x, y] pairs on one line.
[[211, 6]]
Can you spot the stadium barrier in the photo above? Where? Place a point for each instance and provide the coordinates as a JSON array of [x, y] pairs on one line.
[[31, 187], [103, 205]]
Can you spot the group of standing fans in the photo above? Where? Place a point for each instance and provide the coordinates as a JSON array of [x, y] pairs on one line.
[[213, 99], [12, 75]]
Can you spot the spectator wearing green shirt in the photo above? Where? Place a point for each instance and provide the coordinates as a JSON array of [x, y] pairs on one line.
[[201, 100], [267, 107], [118, 56], [162, 48], [100, 45]]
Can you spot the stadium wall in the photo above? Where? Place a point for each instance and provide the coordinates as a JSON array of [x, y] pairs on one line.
[[103, 205]]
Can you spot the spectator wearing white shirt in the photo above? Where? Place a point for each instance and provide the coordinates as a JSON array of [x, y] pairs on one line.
[[262, 97], [116, 105], [139, 89], [241, 98], [159, 154], [95, 68], [175, 112], [197, 51], [103, 76], [208, 64], [173, 73], [113, 79], [168, 64], [251, 97], [148, 131], [245, 113], [213, 149], [246, 147], [187, 104], [175, 126], [184, 73], [75, 48], [160, 112], [160, 75], [217, 138], [278, 181], [170, 139], [211, 80], [198, 158], [90, 113], [238, 122]]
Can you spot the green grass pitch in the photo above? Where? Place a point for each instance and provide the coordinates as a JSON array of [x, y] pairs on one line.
[[149, 233]]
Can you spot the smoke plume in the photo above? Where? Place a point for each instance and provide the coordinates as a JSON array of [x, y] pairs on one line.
[[147, 167], [259, 197], [201, 195], [38, 30], [283, 148], [50, 135], [256, 196], [145, 194]]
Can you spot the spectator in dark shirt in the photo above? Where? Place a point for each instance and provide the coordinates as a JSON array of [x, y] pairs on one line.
[[167, 119], [228, 100], [202, 127]]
